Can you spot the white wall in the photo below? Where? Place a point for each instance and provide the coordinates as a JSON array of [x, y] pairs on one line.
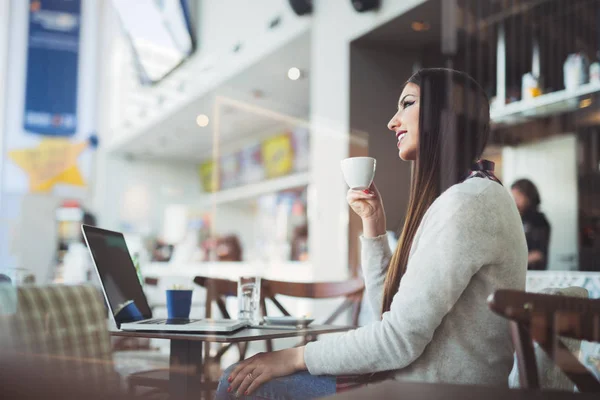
[[240, 220], [137, 192], [334, 25], [228, 22], [377, 78], [551, 165], [4, 36], [106, 108]]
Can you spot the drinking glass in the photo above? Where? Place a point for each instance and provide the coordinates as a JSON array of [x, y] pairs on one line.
[[249, 299]]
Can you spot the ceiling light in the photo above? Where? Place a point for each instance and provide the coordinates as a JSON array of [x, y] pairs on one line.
[[202, 120], [294, 73], [420, 26], [585, 102]]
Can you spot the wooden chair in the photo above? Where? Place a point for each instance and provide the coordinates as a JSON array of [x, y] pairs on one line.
[[217, 291], [351, 290], [543, 318]]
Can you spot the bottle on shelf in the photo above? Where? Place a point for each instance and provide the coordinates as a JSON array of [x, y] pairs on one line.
[[530, 86], [575, 71], [595, 70]]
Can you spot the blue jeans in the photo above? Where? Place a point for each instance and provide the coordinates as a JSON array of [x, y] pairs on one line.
[[298, 386]]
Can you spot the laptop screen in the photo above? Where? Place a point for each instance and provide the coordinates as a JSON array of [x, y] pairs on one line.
[[117, 273]]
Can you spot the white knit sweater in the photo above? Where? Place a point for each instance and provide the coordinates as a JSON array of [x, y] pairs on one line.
[[469, 244]]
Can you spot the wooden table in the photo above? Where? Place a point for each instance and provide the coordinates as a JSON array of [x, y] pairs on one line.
[[440, 391], [186, 351]]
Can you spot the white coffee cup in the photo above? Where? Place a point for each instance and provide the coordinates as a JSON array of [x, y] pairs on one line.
[[359, 172]]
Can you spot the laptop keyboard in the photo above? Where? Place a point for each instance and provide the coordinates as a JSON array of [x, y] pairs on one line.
[[173, 321]]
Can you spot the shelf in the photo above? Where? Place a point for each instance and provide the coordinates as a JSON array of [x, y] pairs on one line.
[[552, 103], [256, 189]]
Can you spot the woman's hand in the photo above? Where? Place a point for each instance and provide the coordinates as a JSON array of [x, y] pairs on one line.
[[249, 374], [369, 207]]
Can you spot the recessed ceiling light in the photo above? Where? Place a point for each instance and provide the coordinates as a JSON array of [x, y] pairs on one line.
[[294, 73], [202, 120], [420, 26]]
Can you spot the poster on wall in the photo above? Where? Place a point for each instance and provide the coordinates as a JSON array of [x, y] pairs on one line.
[[230, 171], [251, 166], [209, 181], [53, 161], [278, 155], [301, 144], [52, 67]]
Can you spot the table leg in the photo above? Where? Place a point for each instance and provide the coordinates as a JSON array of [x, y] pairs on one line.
[[185, 376]]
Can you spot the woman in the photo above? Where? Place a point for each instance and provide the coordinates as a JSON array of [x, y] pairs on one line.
[[535, 224], [462, 239]]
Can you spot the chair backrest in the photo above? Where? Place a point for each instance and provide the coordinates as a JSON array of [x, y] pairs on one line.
[[151, 281], [352, 290], [8, 299], [217, 290], [60, 323], [544, 318]]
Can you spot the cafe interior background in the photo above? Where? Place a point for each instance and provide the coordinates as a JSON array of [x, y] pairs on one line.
[[214, 141]]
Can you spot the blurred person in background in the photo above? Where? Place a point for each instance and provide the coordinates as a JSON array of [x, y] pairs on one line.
[[161, 251], [77, 263], [300, 243], [228, 248], [462, 240], [535, 224]]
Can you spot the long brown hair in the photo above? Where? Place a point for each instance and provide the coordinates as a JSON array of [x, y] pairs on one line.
[[529, 190], [453, 131]]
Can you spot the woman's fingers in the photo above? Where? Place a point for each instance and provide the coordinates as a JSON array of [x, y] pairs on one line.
[[354, 195], [364, 203], [237, 369], [239, 377], [373, 188], [247, 381], [260, 379]]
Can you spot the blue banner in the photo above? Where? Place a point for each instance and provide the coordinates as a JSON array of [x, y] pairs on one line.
[[52, 67]]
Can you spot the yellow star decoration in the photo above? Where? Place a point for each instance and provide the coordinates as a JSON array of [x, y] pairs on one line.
[[53, 161]]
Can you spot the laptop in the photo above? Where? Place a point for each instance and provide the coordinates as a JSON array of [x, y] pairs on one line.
[[124, 294]]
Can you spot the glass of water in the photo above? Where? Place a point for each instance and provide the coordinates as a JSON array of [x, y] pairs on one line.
[[249, 299]]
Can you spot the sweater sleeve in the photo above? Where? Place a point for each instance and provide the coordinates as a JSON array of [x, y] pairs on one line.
[[456, 241], [375, 257]]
